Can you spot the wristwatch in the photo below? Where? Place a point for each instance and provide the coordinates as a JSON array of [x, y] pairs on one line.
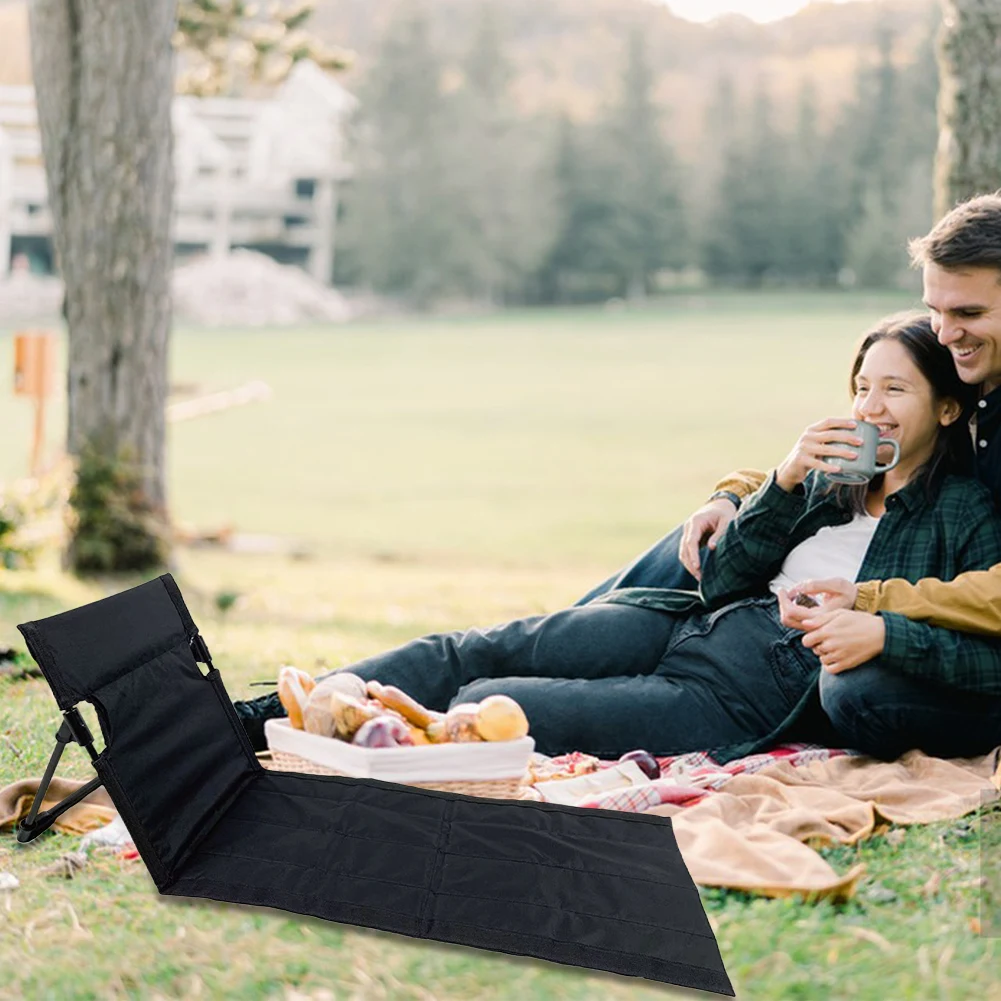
[[733, 498]]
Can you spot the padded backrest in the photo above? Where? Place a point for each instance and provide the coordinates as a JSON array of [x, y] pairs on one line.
[[175, 754]]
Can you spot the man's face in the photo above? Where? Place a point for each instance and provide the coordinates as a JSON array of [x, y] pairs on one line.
[[966, 315]]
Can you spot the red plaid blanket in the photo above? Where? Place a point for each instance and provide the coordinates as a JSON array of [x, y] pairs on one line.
[[687, 778]]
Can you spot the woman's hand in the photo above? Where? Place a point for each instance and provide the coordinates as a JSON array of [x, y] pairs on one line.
[[834, 592], [843, 639], [817, 443]]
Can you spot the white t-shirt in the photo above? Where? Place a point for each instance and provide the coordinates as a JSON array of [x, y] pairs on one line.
[[835, 551]]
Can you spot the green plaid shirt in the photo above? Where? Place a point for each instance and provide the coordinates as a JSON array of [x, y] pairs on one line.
[[957, 530]]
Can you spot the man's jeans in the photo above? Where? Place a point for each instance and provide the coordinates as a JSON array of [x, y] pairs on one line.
[[659, 566], [885, 713], [607, 678]]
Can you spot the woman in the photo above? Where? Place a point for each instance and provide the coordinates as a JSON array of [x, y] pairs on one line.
[[675, 671]]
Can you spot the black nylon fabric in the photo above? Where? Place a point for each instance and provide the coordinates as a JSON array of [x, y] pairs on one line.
[[593, 888]]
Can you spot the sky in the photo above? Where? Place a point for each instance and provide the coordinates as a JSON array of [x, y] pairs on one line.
[[757, 10]]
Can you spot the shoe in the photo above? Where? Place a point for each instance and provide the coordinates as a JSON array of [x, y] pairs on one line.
[[254, 712]]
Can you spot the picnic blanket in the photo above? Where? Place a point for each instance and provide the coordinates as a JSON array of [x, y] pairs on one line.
[[92, 812], [757, 829], [752, 824]]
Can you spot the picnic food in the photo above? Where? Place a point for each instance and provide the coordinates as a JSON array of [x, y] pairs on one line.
[[294, 687], [394, 698], [348, 683], [499, 717], [349, 714], [435, 731], [384, 731], [318, 715], [460, 722], [343, 706], [573, 790], [565, 766], [646, 761]]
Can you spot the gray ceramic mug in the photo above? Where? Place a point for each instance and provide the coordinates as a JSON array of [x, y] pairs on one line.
[[864, 466]]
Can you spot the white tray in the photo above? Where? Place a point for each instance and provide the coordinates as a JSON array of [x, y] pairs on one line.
[[494, 759]]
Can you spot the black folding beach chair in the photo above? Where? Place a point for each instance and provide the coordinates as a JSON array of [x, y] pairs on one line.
[[585, 887]]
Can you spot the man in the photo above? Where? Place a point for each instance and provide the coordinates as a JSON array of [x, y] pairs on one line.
[[961, 270]]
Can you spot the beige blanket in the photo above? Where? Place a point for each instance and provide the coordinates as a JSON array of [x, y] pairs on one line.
[[758, 832], [95, 810]]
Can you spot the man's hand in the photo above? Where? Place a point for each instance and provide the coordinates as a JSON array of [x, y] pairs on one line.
[[843, 639], [711, 519], [832, 593]]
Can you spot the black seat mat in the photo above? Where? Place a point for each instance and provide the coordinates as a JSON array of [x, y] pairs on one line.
[[599, 889]]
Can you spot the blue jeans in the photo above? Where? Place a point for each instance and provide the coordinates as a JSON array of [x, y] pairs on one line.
[[884, 714], [659, 566], [608, 678], [870, 708]]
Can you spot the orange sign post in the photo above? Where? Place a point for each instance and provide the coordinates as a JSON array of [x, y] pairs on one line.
[[34, 367]]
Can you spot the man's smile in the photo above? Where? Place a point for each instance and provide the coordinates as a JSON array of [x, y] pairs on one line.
[[967, 352]]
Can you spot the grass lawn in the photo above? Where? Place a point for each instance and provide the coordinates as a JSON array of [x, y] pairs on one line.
[[444, 473]]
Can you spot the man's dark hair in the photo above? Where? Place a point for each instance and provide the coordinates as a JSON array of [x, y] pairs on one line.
[[967, 237]]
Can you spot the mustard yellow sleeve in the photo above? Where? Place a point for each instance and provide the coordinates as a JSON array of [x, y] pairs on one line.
[[742, 482], [970, 603]]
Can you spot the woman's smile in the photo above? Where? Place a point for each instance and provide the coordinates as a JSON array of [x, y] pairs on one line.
[[892, 393]]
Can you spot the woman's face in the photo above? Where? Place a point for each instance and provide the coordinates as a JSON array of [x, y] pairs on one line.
[[891, 392]]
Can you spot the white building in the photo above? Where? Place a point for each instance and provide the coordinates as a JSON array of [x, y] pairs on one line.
[[249, 173]]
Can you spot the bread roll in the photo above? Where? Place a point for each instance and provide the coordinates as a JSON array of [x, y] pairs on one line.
[[397, 699], [294, 687]]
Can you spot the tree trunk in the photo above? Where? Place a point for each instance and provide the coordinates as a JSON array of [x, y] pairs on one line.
[[968, 161], [103, 72]]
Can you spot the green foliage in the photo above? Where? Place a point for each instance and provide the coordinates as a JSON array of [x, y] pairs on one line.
[[457, 193], [116, 528], [504, 206], [647, 219], [400, 217], [226, 599], [227, 44], [27, 509], [874, 249], [11, 554], [747, 240]]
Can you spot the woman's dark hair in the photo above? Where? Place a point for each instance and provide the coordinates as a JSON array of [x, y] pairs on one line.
[[953, 451]]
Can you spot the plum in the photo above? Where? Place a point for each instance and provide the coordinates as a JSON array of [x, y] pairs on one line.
[[645, 761]]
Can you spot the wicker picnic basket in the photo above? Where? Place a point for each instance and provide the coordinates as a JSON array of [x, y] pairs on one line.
[[324, 753]]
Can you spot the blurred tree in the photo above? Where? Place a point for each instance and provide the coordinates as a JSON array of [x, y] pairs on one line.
[[875, 137], [104, 81], [507, 208], [719, 127], [969, 149], [648, 225], [577, 265], [401, 218], [803, 209], [227, 44], [877, 124], [749, 232], [874, 253]]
